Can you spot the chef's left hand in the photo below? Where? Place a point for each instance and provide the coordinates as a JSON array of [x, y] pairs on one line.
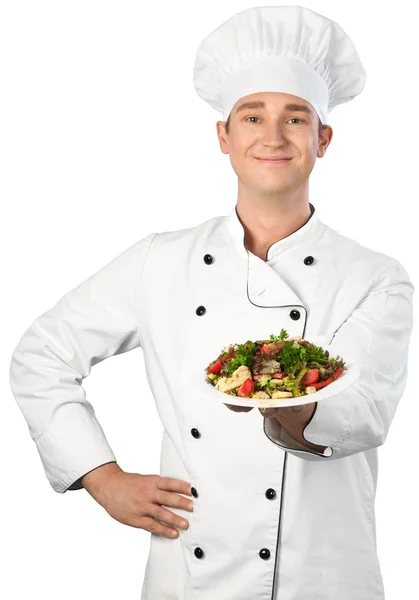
[[293, 419], [239, 408], [288, 415]]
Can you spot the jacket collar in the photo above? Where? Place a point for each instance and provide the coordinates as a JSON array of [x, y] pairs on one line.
[[311, 228]]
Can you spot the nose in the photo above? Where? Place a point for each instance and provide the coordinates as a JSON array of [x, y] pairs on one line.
[[273, 135]]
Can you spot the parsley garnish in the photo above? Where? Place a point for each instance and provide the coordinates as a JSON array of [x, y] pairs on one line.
[[293, 357], [278, 338], [244, 356]]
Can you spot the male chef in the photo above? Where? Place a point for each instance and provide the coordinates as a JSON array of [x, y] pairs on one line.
[[283, 502]]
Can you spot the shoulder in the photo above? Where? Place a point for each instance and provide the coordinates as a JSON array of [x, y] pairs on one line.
[[184, 240], [360, 260]]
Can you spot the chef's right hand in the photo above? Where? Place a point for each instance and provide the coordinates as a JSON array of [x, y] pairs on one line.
[[136, 500]]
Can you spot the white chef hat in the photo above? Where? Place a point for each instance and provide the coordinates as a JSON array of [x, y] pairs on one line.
[[289, 49]]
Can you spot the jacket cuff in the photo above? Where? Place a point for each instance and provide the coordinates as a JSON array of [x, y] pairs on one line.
[[330, 422], [280, 437], [75, 445]]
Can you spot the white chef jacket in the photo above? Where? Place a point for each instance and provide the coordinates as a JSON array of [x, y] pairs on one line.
[[271, 520]]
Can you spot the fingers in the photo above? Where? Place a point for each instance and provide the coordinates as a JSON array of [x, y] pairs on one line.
[[267, 412], [171, 484], [167, 516], [165, 494], [170, 499], [238, 408], [154, 526]]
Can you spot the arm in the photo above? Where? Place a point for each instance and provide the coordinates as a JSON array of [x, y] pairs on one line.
[[289, 423], [95, 480], [95, 320], [81, 482], [376, 335], [294, 422]]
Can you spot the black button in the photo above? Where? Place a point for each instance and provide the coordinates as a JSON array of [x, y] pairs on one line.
[[308, 260], [295, 315], [199, 553], [195, 433], [201, 310], [270, 493], [264, 553], [208, 259], [194, 492]]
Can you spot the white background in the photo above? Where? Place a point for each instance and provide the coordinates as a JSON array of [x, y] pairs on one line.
[[103, 141]]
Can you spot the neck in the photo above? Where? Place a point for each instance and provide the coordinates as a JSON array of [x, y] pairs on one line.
[[268, 221]]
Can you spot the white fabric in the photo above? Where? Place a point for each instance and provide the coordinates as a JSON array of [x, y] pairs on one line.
[[272, 520], [289, 49]]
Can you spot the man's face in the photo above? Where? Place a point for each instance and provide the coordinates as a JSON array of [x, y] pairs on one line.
[[275, 129]]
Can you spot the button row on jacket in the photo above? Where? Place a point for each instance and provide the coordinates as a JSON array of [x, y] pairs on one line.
[[270, 492], [294, 314], [264, 553], [208, 259]]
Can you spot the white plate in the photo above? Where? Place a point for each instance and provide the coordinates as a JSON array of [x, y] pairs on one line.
[[195, 377]]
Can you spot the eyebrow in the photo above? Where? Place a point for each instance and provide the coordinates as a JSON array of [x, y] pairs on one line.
[[292, 107]]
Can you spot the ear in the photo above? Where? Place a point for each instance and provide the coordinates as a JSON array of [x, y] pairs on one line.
[[222, 137]]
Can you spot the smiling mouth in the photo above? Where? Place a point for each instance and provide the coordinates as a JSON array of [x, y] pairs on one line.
[[274, 160]]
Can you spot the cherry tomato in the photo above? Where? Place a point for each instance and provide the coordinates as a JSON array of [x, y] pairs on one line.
[[215, 367], [247, 388], [311, 376]]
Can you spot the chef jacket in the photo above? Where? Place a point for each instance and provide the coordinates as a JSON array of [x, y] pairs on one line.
[[272, 519]]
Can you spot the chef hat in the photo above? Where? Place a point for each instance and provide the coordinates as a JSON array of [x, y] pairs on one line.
[[289, 49]]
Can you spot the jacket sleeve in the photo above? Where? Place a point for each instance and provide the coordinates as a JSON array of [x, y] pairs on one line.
[[375, 336], [97, 319]]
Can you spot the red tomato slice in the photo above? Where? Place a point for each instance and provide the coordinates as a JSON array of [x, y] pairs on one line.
[[280, 375], [321, 384], [272, 347], [215, 367], [247, 388], [310, 377]]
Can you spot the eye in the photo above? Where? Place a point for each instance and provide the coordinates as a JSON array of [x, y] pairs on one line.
[[293, 119]]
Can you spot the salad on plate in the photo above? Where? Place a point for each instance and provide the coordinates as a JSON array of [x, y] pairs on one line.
[[280, 367]]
